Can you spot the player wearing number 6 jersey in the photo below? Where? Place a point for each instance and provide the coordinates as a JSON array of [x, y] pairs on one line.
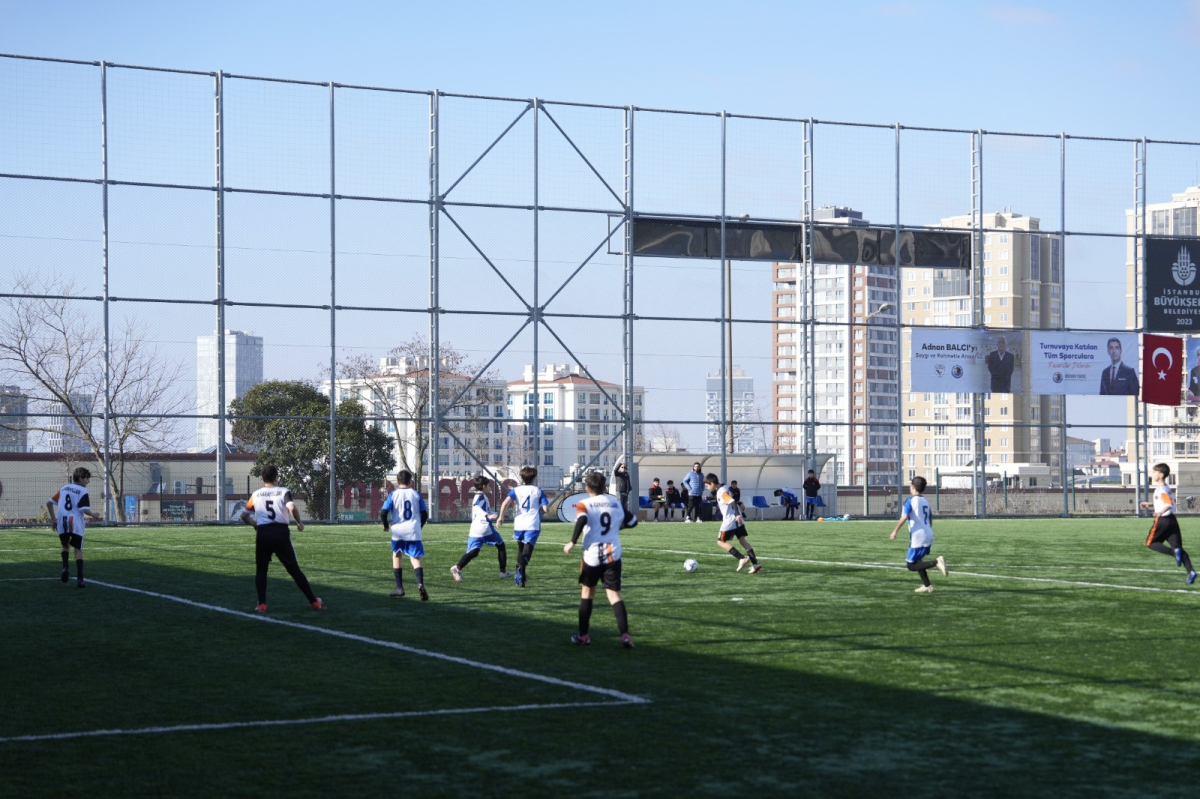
[[529, 503], [67, 509], [269, 510], [403, 513], [920, 535], [598, 519]]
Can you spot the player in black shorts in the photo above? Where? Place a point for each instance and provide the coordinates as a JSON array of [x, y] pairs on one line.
[[598, 519], [1164, 534]]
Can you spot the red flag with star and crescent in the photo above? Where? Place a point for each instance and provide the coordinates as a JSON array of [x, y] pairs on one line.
[[1162, 369]]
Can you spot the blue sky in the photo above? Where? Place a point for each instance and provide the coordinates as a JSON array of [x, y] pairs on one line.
[[1096, 68], [1081, 67]]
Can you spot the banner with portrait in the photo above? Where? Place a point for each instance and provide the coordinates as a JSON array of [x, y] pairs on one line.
[[966, 360], [1191, 369], [1084, 363]]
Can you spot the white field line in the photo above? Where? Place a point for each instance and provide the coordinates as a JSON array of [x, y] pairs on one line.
[[953, 572], [232, 725], [25, 579], [362, 639]]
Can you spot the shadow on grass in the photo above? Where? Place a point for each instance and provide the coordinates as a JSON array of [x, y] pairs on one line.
[[103, 658]]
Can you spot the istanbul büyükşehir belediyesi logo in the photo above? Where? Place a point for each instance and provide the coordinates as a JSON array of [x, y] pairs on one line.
[[1183, 270]]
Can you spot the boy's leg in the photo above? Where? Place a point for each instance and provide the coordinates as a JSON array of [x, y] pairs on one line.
[[618, 606], [749, 549], [585, 609], [469, 556], [287, 556], [1176, 542], [79, 565], [66, 554], [502, 556], [921, 567], [419, 573], [262, 560], [398, 574], [731, 549]]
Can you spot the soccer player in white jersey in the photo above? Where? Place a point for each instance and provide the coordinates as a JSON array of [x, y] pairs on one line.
[[67, 509], [403, 513], [733, 525], [481, 532], [1166, 526], [269, 510], [530, 503], [920, 535], [598, 519]]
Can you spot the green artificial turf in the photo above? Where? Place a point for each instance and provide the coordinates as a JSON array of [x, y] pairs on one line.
[[1035, 668]]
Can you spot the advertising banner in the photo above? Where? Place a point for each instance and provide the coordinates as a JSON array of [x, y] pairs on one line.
[[1172, 290], [968, 361], [1083, 363], [1193, 371], [1162, 367]]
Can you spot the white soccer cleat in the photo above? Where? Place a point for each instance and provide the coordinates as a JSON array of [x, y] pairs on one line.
[[941, 565], [925, 589], [505, 575], [456, 573], [742, 564], [756, 568]]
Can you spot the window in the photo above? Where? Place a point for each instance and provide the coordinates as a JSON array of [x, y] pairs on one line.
[[548, 460], [1159, 221]]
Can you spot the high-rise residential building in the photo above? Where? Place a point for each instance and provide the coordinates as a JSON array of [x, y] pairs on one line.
[[1174, 434], [855, 361], [1022, 288], [748, 433], [576, 416], [64, 432], [476, 427], [14, 404], [243, 371]]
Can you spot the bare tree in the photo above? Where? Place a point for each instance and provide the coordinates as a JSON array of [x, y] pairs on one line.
[[665, 439], [52, 348], [397, 390]]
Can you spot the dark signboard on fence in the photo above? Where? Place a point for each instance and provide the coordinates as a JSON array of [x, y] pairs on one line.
[[177, 510], [1172, 291]]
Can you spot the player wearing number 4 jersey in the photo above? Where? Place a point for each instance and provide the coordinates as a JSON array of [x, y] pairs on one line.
[[67, 509], [1166, 527], [269, 510], [732, 525], [920, 535], [403, 513], [598, 519], [529, 503]]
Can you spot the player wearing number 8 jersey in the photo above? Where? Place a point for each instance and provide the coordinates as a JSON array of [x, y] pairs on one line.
[[599, 519], [920, 534], [269, 510], [67, 509], [529, 503], [403, 513]]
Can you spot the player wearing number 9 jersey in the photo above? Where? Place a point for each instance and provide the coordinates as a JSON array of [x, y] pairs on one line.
[[599, 519], [919, 516], [403, 513], [270, 510]]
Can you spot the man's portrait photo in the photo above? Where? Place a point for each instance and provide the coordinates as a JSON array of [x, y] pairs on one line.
[[1000, 363], [1193, 386], [1117, 378]]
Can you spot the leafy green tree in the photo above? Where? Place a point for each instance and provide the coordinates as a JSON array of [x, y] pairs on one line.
[[299, 447]]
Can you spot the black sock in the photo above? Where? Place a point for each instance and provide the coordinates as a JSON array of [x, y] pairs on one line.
[[467, 558], [419, 573], [1163, 548], [622, 617], [750, 554], [79, 569], [1187, 562], [399, 575], [736, 555], [64, 560], [585, 615], [502, 554], [924, 576]]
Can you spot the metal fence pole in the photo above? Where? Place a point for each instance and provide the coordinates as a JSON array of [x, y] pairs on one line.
[[810, 349], [435, 309], [109, 500], [724, 316], [1065, 468], [219, 149], [332, 313], [537, 311], [899, 342], [627, 322]]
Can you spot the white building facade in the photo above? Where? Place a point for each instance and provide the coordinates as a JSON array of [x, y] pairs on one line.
[[243, 371]]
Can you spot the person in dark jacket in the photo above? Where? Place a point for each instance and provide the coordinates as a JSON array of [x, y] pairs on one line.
[[621, 483], [694, 483], [812, 487], [673, 499]]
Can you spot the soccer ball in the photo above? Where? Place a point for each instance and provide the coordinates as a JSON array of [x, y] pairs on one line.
[[690, 565]]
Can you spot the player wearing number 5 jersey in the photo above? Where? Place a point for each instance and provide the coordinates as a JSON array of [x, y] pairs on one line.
[[67, 509], [599, 519], [270, 509], [403, 513], [920, 535], [529, 503]]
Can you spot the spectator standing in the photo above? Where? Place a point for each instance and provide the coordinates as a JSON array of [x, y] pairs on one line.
[[812, 487], [694, 483], [621, 483]]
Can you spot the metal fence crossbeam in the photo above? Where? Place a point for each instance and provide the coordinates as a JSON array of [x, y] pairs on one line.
[[475, 163]]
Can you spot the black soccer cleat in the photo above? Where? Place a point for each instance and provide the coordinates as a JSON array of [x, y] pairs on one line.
[[423, 593], [66, 575]]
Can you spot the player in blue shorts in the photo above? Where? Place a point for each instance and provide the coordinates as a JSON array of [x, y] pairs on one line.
[[920, 535], [403, 513], [530, 503], [481, 532]]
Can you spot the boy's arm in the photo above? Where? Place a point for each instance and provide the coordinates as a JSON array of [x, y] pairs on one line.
[[580, 526], [52, 509], [500, 513], [902, 520], [295, 514]]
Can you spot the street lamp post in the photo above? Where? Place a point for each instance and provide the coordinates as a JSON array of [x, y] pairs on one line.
[[885, 307]]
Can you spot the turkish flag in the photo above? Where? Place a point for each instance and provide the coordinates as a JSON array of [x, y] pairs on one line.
[[1162, 369]]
